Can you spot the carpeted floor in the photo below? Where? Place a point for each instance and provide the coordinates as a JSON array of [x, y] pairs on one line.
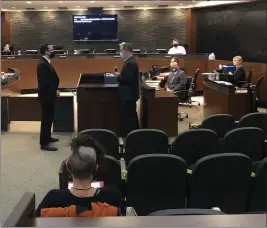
[[25, 168]]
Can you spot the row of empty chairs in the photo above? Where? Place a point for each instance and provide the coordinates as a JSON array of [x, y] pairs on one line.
[[191, 144], [164, 181], [222, 123]]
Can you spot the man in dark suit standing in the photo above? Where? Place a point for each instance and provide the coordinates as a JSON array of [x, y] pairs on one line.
[[48, 82], [128, 81]]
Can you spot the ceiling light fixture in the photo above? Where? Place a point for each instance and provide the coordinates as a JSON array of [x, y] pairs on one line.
[[28, 2], [13, 7], [124, 1], [92, 1], [60, 2]]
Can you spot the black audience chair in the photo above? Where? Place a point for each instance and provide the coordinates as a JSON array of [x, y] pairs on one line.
[[259, 190], [156, 182], [220, 180], [108, 139], [220, 123], [245, 140], [145, 141], [186, 211], [110, 174], [257, 119], [260, 101], [194, 144]]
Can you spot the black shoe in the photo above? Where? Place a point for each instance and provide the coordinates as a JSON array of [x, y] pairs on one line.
[[48, 148], [52, 140]]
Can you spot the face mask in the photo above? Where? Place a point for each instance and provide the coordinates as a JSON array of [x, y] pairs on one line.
[[121, 55], [175, 45]]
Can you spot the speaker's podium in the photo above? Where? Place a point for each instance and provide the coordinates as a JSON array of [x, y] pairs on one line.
[[158, 109], [98, 102]]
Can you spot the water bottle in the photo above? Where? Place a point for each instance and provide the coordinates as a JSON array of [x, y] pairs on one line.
[[212, 56]]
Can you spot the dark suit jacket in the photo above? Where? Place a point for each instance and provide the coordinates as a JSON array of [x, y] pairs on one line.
[[129, 81], [48, 81], [176, 81], [240, 75]]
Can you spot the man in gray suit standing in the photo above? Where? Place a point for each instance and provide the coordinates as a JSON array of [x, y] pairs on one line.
[[176, 80]]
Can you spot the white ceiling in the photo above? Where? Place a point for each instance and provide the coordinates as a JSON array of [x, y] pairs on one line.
[[12, 5]]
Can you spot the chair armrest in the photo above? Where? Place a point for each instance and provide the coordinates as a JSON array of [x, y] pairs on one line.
[[24, 212], [121, 144], [123, 169], [130, 211]]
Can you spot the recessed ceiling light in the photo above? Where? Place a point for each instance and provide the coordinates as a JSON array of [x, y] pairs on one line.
[[28, 2], [124, 1], [13, 7], [92, 1], [60, 2]]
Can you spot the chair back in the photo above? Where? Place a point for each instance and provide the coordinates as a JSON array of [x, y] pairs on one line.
[[111, 173], [245, 140], [220, 123], [220, 180], [145, 141], [258, 86], [194, 144], [258, 197], [257, 119], [194, 80], [108, 139], [156, 182], [250, 74]]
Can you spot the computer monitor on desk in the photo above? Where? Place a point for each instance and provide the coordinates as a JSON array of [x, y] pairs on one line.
[[226, 68]]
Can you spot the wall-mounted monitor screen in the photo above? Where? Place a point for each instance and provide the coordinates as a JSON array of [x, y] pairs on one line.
[[101, 27]]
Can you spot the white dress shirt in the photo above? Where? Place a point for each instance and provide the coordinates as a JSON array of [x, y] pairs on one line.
[[177, 50], [47, 59]]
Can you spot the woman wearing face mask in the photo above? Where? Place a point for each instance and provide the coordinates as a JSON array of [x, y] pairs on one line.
[[176, 49]]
